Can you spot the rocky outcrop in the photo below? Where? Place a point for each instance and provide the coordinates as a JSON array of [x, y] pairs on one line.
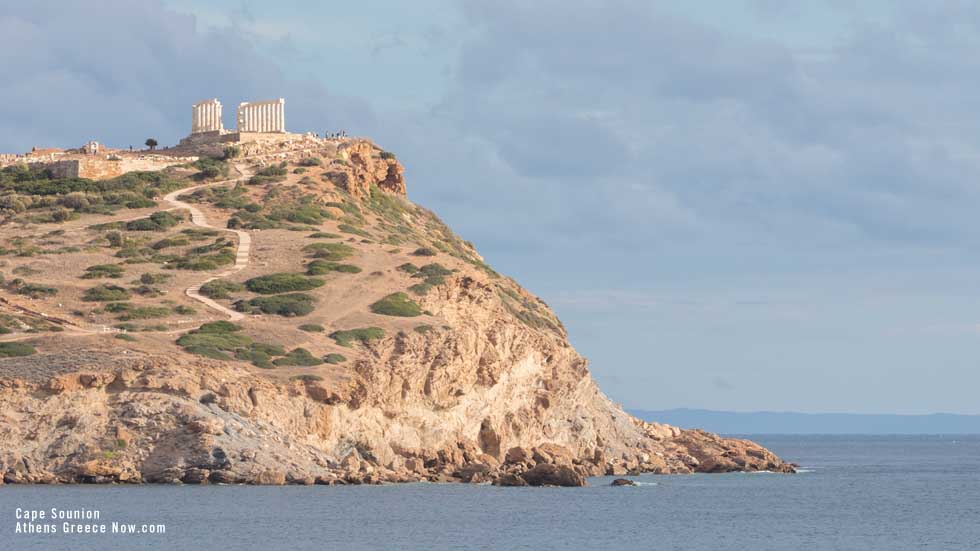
[[364, 164], [490, 392]]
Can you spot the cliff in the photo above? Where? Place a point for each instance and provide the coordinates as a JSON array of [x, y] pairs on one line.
[[369, 344]]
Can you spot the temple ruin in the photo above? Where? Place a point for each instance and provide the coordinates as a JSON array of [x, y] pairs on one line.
[[262, 116], [206, 117]]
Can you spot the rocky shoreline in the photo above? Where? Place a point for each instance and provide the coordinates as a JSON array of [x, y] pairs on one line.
[[415, 362]]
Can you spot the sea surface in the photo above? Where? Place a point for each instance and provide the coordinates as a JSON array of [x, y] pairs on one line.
[[856, 492]]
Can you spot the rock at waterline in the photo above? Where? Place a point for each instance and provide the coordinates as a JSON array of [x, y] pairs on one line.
[[623, 482]]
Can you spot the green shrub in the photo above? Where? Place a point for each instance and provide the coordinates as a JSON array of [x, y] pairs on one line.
[[310, 161], [423, 251], [420, 289], [433, 270], [298, 357], [232, 151], [218, 341], [105, 293], [125, 337], [219, 288], [219, 327], [409, 268], [320, 267], [347, 228], [270, 349], [335, 358], [397, 304], [16, 349], [170, 242], [364, 334], [423, 329], [147, 291], [198, 261], [200, 234], [154, 279], [103, 270], [145, 312], [282, 283], [183, 310], [210, 167], [323, 235], [329, 251], [158, 221], [34, 290], [311, 328], [258, 358], [288, 305], [386, 155]]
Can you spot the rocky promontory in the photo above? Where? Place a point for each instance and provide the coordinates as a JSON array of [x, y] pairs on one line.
[[369, 343]]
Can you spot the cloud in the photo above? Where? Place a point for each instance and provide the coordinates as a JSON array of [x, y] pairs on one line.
[[746, 140]]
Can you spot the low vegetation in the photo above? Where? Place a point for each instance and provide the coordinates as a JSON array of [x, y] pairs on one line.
[[329, 251], [220, 288], [223, 340], [210, 168], [320, 267], [334, 358], [298, 357], [105, 293], [35, 193], [158, 221], [424, 251], [32, 290], [99, 271], [288, 305], [311, 328], [270, 174], [397, 304], [16, 349], [282, 283], [362, 335]]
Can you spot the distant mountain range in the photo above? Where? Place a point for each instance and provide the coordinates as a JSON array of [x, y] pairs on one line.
[[774, 422]]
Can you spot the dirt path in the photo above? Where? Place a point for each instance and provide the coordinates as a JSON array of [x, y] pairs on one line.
[[241, 255], [197, 218]]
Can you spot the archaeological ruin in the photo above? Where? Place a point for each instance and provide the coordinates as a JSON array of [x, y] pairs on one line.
[[260, 134]]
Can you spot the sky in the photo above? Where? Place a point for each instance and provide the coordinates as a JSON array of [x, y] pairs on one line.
[[742, 205]]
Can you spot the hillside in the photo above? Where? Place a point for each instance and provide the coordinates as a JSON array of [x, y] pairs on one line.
[[288, 315]]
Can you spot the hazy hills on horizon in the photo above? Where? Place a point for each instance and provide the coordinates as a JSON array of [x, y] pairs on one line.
[[774, 422]]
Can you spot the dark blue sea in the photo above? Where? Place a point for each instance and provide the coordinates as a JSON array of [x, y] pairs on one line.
[[857, 492]]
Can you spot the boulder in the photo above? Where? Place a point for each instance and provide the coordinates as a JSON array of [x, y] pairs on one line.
[[270, 477], [509, 479], [223, 477], [623, 482], [474, 472], [546, 474], [517, 455], [555, 454]]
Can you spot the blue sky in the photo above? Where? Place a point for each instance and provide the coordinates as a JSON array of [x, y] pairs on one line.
[[732, 205]]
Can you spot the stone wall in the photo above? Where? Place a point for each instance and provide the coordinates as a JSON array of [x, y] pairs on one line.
[[95, 168]]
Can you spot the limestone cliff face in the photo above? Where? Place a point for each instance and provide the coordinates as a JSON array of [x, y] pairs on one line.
[[489, 399], [488, 390]]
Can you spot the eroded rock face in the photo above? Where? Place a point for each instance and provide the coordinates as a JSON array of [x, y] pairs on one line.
[[490, 400]]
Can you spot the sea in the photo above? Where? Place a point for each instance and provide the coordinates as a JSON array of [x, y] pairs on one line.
[[852, 492]]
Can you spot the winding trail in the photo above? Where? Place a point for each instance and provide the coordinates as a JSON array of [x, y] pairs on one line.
[[241, 255], [197, 218]]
